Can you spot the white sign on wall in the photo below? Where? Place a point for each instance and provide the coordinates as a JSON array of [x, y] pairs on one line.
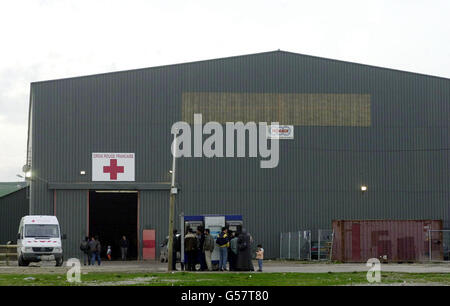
[[112, 167], [280, 132], [215, 225]]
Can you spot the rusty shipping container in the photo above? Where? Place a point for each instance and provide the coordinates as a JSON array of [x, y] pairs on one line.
[[387, 240]]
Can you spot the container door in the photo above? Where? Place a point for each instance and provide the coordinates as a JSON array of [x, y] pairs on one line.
[[356, 242]]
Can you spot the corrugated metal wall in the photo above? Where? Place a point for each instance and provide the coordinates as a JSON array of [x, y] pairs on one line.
[[12, 208], [71, 211], [154, 214], [400, 156]]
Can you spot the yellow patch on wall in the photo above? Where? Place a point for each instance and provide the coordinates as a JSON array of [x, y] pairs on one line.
[[285, 108]]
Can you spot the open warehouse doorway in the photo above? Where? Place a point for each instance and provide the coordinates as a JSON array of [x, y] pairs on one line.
[[113, 214]]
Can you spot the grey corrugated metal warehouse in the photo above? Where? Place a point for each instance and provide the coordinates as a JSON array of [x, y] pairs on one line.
[[14, 204], [354, 125]]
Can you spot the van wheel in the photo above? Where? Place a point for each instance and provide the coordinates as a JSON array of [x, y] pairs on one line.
[[22, 262], [59, 262]]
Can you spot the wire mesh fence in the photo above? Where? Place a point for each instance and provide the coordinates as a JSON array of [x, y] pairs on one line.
[[324, 244], [318, 245], [8, 253], [295, 245], [306, 245]]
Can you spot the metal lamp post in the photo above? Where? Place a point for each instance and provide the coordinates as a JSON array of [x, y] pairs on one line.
[[173, 192]]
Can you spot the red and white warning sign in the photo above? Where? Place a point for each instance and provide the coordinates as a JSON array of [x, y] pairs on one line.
[[113, 167]]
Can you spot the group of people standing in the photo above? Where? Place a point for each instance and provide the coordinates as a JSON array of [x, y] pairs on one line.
[[234, 249], [92, 248]]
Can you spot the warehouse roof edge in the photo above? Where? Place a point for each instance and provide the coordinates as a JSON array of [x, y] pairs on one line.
[[239, 56]]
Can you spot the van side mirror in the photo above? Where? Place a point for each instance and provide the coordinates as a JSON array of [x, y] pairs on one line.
[[64, 236], [18, 236]]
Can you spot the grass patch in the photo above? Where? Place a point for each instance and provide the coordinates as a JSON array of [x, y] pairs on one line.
[[222, 279]]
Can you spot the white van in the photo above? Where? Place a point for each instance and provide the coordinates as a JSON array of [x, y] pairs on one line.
[[39, 238]]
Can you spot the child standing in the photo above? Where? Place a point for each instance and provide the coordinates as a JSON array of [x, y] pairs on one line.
[[260, 256], [108, 252]]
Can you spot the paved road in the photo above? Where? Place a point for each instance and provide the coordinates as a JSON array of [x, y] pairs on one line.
[[269, 266]]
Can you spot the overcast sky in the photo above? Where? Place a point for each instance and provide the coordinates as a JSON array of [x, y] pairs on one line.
[[47, 39]]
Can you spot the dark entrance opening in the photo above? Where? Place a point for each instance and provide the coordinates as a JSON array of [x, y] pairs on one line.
[[111, 216]]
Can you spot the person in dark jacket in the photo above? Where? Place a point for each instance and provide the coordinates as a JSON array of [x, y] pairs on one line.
[[190, 245], [124, 247], [98, 249], [92, 250], [223, 242], [84, 246], [232, 251], [200, 253], [244, 258]]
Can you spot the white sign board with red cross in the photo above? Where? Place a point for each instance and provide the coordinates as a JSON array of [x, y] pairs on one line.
[[113, 167]]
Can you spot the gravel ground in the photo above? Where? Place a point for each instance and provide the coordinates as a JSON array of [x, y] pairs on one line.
[[269, 266]]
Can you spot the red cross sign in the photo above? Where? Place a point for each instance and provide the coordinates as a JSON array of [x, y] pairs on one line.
[[113, 169]]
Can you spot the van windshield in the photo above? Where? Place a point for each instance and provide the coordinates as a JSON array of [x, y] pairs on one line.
[[42, 230]]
